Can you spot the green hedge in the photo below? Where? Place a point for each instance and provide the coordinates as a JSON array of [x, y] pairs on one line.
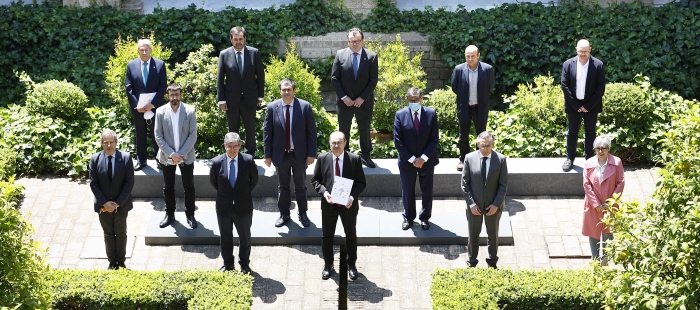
[[486, 289], [127, 289]]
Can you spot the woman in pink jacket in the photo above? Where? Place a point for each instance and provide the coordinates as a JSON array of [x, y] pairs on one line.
[[603, 176]]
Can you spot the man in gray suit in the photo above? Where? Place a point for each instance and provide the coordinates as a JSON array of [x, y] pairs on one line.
[[111, 181], [240, 84], [484, 183], [354, 75], [176, 134]]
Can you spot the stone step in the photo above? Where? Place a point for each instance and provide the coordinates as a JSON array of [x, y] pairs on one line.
[[526, 177], [373, 228]]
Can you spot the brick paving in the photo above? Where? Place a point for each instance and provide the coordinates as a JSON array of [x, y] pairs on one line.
[[546, 231]]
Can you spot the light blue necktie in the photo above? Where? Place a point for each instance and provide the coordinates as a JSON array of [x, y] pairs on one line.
[[145, 73], [232, 173], [355, 64]]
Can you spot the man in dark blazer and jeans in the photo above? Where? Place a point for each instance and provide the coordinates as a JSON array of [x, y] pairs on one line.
[[240, 84], [111, 181], [234, 175]]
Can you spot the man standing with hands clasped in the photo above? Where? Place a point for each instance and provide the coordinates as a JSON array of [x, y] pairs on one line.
[[484, 183]]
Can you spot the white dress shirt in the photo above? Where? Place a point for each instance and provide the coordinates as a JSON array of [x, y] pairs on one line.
[[175, 121], [473, 82], [581, 74]]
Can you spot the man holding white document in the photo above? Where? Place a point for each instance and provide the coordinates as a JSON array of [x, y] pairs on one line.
[[338, 174]]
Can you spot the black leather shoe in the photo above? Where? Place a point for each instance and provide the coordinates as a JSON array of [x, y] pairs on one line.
[[224, 268], [352, 272], [113, 266], [169, 218], [304, 220], [406, 224], [327, 272], [493, 266], [191, 221], [282, 220], [425, 225], [121, 265], [368, 162], [140, 166], [246, 270], [567, 165]]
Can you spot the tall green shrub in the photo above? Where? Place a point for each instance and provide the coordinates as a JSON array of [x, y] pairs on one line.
[[397, 73], [54, 98], [445, 103]]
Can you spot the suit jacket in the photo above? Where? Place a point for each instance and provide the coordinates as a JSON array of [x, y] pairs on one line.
[[324, 176], [157, 82], [491, 193], [409, 144], [303, 131], [164, 133], [598, 191], [595, 86], [485, 84], [119, 190], [241, 193], [343, 77], [231, 86]]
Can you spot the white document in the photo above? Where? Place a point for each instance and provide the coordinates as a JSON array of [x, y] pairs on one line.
[[145, 99], [340, 193]]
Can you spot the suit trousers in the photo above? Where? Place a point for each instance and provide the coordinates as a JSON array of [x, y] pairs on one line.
[[589, 123], [329, 219], [114, 228], [465, 128], [363, 116], [142, 129], [474, 225], [242, 224], [187, 172], [290, 167], [408, 191], [234, 115]]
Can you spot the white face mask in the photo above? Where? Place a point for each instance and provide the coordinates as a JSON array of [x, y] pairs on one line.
[[414, 106]]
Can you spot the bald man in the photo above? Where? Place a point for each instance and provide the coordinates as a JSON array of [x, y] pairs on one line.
[[472, 81], [583, 84]]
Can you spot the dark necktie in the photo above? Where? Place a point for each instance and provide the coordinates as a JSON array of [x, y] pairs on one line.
[[287, 130], [337, 166], [416, 122], [109, 168], [145, 73], [483, 168], [240, 64], [355, 64], [232, 173]]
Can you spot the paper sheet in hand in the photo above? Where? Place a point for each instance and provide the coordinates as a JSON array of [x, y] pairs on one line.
[[145, 99], [341, 190]]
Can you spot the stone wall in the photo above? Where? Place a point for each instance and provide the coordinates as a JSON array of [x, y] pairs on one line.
[[326, 46], [86, 3]]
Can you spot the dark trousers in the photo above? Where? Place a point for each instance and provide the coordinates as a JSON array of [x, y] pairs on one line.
[[290, 167], [589, 123], [408, 191], [364, 120], [329, 219], [187, 172], [142, 129], [114, 228], [475, 223], [234, 115], [465, 127], [242, 224]]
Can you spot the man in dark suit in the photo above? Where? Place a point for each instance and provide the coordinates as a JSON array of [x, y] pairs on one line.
[[176, 134], [484, 183], [240, 85], [583, 84], [416, 138], [234, 175], [355, 74], [144, 75], [472, 81], [338, 163], [111, 181], [290, 138]]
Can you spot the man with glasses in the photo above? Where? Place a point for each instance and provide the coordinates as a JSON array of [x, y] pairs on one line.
[[355, 74], [484, 183], [583, 84]]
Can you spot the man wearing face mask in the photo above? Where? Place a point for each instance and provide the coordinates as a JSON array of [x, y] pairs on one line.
[[416, 138]]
